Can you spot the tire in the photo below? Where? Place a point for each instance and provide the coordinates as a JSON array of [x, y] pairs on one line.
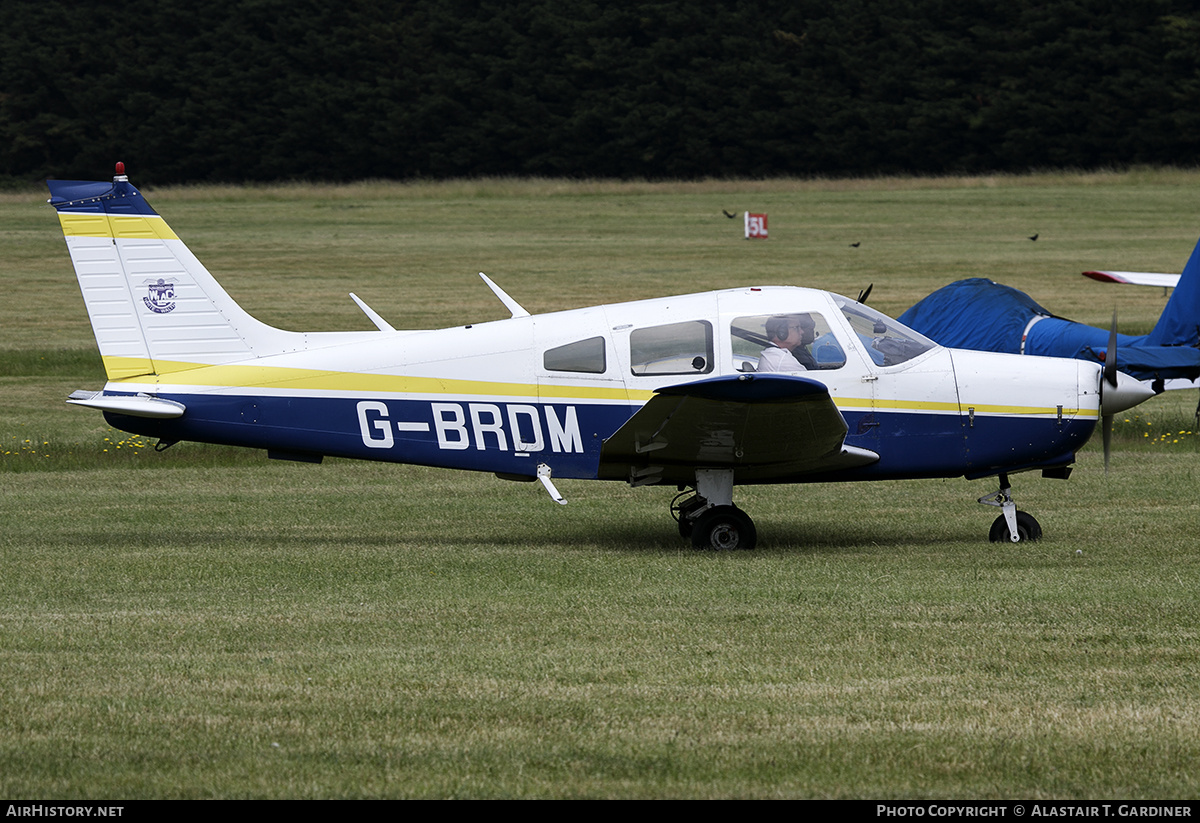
[[724, 528], [1028, 529], [685, 528]]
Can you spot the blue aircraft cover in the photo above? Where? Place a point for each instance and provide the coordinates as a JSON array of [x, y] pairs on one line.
[[982, 315], [975, 314]]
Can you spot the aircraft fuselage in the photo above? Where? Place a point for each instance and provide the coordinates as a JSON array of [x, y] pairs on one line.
[[503, 396]]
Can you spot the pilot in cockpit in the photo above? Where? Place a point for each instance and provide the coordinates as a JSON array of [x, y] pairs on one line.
[[789, 337]]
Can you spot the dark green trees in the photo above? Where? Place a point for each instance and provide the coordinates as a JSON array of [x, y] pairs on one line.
[[268, 89]]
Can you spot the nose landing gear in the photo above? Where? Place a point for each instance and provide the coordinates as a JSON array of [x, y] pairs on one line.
[[1012, 525]]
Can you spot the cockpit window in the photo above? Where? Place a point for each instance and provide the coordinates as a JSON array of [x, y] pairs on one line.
[[887, 341], [585, 356], [677, 348], [799, 341]]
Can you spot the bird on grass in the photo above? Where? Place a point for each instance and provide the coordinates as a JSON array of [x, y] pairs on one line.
[[727, 214]]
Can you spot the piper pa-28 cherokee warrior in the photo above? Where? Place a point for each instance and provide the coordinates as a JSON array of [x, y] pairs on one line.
[[674, 391]]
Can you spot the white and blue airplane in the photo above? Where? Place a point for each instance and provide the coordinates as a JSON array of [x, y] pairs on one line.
[[655, 392]]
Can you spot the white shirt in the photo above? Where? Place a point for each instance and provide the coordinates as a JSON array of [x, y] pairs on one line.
[[773, 358]]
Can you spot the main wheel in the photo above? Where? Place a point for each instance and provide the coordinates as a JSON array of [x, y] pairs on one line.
[[1027, 529], [724, 528]]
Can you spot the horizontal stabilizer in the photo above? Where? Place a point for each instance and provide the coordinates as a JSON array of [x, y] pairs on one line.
[[1135, 278], [139, 405]]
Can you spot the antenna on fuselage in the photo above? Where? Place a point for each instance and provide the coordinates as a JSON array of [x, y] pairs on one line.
[[510, 304], [379, 322]]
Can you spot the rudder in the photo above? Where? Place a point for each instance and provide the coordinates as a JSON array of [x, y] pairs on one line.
[[1179, 324]]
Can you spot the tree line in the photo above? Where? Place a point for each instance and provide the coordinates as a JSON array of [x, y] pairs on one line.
[[264, 90]]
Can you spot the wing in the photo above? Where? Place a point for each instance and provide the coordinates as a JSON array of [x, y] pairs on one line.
[[1135, 278], [764, 427]]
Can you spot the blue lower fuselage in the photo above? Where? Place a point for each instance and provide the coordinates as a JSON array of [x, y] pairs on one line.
[[513, 438]]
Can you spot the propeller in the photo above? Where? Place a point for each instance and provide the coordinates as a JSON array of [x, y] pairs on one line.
[[1110, 358], [1118, 391], [1110, 377]]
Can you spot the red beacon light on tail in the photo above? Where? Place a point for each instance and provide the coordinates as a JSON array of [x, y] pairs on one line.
[[120, 171]]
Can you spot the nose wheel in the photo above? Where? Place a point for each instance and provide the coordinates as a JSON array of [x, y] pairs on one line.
[[1012, 526], [1027, 529]]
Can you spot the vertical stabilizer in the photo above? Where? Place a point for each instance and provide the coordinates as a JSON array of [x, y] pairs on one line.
[[154, 307], [1179, 324]]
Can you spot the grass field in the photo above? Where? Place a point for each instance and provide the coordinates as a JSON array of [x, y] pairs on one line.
[[204, 623]]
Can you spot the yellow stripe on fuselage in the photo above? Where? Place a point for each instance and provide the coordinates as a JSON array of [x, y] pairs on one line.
[[118, 226], [867, 404], [269, 377]]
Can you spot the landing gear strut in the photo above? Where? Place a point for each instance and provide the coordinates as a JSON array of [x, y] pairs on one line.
[[709, 517], [1012, 525], [686, 509]]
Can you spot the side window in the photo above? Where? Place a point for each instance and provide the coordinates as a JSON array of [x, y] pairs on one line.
[[581, 356], [677, 348], [798, 341]]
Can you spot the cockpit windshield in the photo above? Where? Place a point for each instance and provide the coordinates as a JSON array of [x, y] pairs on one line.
[[887, 341]]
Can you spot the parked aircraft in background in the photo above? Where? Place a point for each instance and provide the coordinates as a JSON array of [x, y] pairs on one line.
[[1136, 278], [986, 316], [1160, 280], [654, 392]]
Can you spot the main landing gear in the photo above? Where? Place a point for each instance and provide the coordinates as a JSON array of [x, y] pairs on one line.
[[1011, 526], [709, 517]]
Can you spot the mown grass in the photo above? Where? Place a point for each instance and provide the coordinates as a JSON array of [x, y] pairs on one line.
[[350, 630], [205, 623]]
